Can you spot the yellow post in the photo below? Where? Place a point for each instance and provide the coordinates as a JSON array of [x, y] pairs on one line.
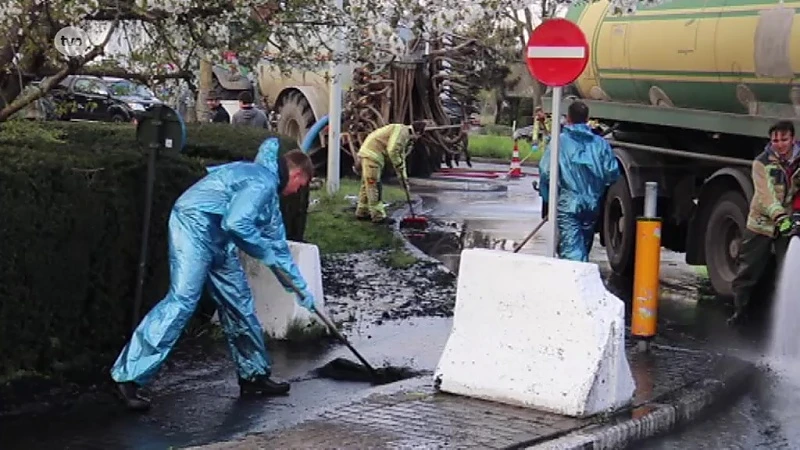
[[647, 264]]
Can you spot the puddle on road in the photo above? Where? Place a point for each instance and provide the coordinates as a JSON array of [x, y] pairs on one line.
[[197, 401]]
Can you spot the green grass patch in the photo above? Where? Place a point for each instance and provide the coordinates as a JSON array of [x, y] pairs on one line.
[[333, 227], [400, 259], [496, 130], [701, 271], [501, 147]]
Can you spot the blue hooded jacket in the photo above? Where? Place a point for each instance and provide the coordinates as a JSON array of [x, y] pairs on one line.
[[247, 196], [587, 166]]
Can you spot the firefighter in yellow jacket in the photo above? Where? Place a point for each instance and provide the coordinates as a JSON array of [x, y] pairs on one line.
[[390, 142]]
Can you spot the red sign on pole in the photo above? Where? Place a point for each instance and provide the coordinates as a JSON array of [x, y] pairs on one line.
[[557, 52]]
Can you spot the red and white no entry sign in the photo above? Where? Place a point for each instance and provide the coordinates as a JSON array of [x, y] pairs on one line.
[[557, 52]]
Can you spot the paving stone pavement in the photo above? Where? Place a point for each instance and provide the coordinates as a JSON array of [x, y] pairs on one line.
[[421, 417]]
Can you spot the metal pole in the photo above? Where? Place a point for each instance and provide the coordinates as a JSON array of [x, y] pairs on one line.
[[148, 207], [335, 113], [650, 199], [552, 242]]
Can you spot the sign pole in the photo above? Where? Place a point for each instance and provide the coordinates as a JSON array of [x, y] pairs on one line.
[[556, 55], [160, 128], [552, 202], [335, 114]]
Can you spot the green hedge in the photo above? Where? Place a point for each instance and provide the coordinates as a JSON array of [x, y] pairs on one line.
[[71, 202]]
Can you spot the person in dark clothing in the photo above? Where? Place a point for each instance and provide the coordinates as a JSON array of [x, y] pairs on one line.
[[218, 113], [247, 114], [776, 179]]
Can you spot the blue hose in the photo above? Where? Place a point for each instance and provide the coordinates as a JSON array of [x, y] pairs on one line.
[[313, 133]]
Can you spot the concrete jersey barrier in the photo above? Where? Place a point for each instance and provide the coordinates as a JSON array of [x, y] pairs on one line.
[[536, 332], [277, 309]]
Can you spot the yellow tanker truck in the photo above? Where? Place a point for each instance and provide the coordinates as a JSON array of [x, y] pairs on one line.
[[688, 90], [434, 82]]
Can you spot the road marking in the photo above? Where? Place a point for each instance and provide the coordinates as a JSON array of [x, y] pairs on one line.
[[556, 52]]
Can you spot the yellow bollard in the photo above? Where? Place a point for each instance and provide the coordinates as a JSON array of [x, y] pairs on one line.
[[644, 314], [646, 267]]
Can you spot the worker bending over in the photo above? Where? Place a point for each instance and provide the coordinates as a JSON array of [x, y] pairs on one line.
[[388, 142], [587, 166], [236, 206], [776, 179]]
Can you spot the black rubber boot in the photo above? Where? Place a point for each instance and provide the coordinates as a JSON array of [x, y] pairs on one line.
[[737, 319], [129, 393], [262, 385]]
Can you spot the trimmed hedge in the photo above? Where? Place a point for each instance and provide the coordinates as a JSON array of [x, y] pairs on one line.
[[71, 206]]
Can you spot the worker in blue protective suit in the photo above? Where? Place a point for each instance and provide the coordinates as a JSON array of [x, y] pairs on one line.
[[587, 167], [235, 206]]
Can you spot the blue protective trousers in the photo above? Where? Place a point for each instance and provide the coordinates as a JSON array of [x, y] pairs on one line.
[[576, 235], [200, 256]]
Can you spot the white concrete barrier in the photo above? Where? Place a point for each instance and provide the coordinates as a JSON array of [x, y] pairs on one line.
[[276, 308], [536, 332]]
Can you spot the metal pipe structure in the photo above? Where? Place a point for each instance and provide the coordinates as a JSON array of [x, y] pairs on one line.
[[681, 153]]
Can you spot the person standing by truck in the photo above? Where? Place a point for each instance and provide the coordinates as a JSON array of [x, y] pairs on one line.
[[776, 179], [217, 111], [248, 114], [587, 167]]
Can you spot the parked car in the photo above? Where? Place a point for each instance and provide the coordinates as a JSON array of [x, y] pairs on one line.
[[83, 97]]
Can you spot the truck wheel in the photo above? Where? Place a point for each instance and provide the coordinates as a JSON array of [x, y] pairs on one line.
[[296, 118], [619, 228], [724, 231]]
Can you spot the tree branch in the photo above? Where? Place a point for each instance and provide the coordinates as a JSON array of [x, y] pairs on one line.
[[72, 65], [113, 10]]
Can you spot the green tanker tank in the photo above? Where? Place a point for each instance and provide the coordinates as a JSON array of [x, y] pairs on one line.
[[734, 56]]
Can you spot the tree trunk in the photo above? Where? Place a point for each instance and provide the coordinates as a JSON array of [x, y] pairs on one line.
[[204, 88]]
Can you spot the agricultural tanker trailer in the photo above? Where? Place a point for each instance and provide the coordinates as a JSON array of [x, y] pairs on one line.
[[687, 90], [436, 82]]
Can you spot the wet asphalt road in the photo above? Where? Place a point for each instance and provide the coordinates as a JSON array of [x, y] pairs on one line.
[[766, 417], [501, 213], [196, 400]]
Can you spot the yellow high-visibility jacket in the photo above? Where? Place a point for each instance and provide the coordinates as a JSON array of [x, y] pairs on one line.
[[541, 137], [388, 141]]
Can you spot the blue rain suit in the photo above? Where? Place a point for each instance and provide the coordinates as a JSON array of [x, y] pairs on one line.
[[236, 205], [587, 166]]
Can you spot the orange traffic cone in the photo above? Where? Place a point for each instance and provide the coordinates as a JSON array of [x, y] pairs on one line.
[[516, 167]]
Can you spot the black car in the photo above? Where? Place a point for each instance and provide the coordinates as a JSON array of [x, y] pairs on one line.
[[82, 97]]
